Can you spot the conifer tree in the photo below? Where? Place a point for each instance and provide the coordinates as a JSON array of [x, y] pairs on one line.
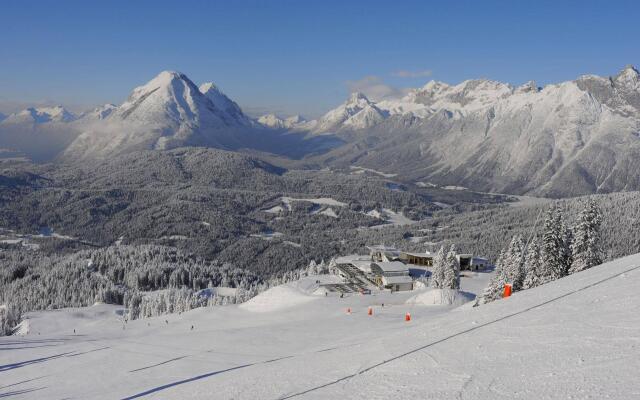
[[9, 318], [555, 252], [451, 270], [437, 275], [585, 248], [495, 288], [532, 266], [567, 248], [514, 263]]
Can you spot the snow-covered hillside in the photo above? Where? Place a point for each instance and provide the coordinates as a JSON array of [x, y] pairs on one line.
[[572, 338]]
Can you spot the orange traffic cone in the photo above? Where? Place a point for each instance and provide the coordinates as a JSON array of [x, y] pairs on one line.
[[407, 317], [370, 312], [507, 290]]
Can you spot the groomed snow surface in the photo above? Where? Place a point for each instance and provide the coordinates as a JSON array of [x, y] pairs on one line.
[[576, 338], [441, 297]]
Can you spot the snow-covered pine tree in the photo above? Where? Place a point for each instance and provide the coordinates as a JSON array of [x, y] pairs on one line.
[[554, 250], [9, 318], [331, 268], [313, 268], [451, 270], [567, 244], [513, 263], [495, 288], [437, 275], [585, 248], [532, 266]]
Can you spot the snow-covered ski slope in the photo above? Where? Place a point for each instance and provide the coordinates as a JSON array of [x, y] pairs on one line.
[[576, 338]]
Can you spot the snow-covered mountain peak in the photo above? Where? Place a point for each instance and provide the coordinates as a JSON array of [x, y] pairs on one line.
[[628, 77], [295, 119], [99, 113], [169, 97], [269, 119], [230, 111], [168, 111], [467, 96], [41, 115], [171, 101], [165, 78], [55, 113], [358, 98], [433, 87], [481, 91], [209, 87], [275, 122], [528, 87], [479, 96], [165, 82], [358, 112]]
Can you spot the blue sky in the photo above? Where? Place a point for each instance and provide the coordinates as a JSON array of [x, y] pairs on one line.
[[302, 56]]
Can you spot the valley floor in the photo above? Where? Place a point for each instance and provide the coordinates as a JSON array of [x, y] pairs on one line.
[[578, 338]]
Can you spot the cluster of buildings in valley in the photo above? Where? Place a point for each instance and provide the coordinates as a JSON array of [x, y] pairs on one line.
[[389, 268]]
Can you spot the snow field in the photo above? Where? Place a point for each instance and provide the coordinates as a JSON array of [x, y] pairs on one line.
[[572, 338], [440, 297]]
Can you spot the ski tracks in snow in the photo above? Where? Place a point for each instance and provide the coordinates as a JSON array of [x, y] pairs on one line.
[[455, 335]]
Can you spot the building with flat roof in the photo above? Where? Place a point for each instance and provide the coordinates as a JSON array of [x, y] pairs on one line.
[[392, 275], [468, 262], [424, 259], [387, 267]]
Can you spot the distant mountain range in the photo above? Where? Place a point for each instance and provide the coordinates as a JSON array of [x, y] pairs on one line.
[[39, 115], [295, 122], [169, 111], [566, 139]]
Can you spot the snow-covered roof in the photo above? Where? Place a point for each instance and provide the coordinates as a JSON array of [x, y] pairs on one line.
[[464, 255], [351, 259], [391, 266], [394, 280], [363, 265], [423, 255]]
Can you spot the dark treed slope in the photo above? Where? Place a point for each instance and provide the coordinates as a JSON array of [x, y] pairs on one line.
[[209, 202]]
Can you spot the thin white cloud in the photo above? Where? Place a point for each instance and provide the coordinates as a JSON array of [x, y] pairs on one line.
[[375, 89], [403, 73]]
